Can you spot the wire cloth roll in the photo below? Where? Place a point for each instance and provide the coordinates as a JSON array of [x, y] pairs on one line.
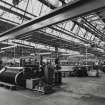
[[13, 75]]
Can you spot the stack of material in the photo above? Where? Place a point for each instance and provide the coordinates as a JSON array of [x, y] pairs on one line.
[[92, 73]]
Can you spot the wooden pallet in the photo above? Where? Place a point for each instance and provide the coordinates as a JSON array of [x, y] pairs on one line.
[[8, 85], [44, 89]]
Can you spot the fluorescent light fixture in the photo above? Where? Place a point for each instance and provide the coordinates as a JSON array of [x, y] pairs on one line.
[[46, 53], [4, 48], [2, 51]]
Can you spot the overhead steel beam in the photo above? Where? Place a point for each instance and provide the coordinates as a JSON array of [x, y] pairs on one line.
[[67, 12], [93, 27], [17, 8], [13, 12], [11, 23], [90, 30], [84, 40], [72, 35], [31, 14]]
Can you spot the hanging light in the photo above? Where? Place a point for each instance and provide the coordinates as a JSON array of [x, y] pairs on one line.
[[54, 2], [15, 2]]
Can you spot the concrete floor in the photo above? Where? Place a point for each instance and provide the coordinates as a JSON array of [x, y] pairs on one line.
[[74, 91]]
